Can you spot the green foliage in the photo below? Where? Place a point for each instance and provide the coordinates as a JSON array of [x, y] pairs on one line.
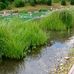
[[19, 3], [43, 1], [72, 2], [63, 2], [49, 2], [17, 38], [2, 42], [34, 36], [48, 24], [2, 5], [56, 1], [62, 21], [33, 2], [66, 18]]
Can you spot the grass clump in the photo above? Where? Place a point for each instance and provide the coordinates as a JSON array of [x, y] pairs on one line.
[[52, 22], [58, 20], [34, 36], [66, 18], [17, 38]]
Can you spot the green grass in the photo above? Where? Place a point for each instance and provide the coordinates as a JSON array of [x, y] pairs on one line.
[[54, 22], [19, 37], [16, 38]]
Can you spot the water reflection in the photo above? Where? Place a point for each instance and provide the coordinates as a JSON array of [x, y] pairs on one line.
[[60, 36], [9, 67]]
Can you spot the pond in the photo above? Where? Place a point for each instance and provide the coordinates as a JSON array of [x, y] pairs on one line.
[[42, 60]]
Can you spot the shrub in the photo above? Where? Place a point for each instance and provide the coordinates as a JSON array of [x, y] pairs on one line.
[[49, 2], [2, 5], [63, 2], [72, 2], [56, 1], [19, 3], [66, 18], [33, 2], [43, 1]]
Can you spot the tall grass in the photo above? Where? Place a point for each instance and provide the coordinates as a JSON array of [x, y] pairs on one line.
[[18, 37], [54, 21]]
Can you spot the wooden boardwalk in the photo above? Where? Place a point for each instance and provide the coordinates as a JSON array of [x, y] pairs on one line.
[[71, 70]]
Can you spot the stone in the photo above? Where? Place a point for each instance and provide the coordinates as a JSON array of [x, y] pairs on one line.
[[67, 58]]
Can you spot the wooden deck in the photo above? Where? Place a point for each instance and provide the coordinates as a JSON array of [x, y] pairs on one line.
[[71, 70]]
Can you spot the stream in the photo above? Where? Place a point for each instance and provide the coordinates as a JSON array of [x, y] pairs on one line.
[[42, 60]]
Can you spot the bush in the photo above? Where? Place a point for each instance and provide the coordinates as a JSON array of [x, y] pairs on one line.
[[5, 1], [72, 2], [33, 2], [2, 5], [63, 2], [19, 3], [49, 2]]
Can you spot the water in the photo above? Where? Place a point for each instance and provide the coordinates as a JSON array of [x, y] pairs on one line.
[[25, 15], [43, 60]]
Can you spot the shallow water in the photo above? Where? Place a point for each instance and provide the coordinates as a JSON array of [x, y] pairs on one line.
[[43, 60], [25, 15]]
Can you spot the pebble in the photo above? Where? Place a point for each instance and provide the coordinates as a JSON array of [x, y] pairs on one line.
[[67, 58]]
